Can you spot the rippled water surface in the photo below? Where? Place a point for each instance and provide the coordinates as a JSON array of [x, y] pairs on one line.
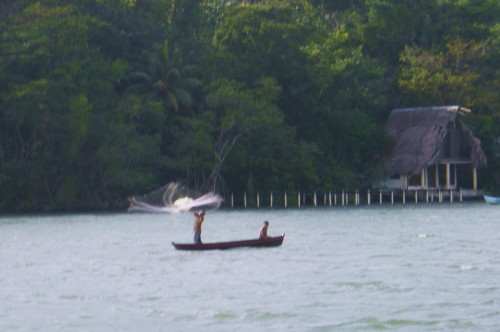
[[412, 268]]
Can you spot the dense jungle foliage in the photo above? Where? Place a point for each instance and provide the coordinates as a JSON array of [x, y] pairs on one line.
[[104, 99]]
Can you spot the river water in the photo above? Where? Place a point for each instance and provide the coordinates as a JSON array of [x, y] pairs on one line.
[[409, 268]]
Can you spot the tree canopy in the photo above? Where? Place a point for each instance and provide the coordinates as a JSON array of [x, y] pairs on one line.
[[104, 99]]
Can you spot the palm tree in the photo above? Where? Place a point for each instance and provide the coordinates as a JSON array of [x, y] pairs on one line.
[[165, 80]]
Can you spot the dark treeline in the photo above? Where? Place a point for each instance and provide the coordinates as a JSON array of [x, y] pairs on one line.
[[104, 99]]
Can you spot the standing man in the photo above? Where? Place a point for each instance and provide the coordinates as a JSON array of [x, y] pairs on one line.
[[198, 220]]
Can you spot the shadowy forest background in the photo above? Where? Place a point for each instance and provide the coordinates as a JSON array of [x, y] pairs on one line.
[[104, 99]]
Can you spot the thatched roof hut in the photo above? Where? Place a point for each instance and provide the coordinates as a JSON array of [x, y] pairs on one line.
[[425, 136]]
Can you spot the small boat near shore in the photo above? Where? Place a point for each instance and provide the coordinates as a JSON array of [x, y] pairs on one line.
[[269, 242], [491, 199]]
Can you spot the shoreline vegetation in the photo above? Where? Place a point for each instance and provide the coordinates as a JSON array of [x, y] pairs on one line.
[[105, 100], [315, 199]]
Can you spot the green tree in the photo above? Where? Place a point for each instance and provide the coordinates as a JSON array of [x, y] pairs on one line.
[[295, 92], [166, 80], [450, 77], [235, 111], [257, 39], [58, 115]]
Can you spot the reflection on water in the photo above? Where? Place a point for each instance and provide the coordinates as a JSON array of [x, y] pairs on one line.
[[418, 268]]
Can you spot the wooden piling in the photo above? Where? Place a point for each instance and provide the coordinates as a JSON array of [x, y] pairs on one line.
[[424, 195]]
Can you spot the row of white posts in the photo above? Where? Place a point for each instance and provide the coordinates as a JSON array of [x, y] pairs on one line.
[[342, 199]]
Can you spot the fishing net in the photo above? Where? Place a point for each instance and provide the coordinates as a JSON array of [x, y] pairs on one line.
[[174, 198]]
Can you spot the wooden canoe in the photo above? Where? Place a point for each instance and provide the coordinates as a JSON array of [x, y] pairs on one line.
[[269, 242]]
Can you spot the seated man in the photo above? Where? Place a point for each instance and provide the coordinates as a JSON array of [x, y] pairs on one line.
[[263, 231]]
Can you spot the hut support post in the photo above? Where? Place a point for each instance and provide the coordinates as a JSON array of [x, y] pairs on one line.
[[271, 200], [286, 200], [436, 172], [455, 176], [447, 175], [258, 199], [474, 178]]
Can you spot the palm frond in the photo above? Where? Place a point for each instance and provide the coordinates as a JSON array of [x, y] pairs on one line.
[[183, 97], [190, 83], [171, 100], [139, 77], [137, 89], [173, 74]]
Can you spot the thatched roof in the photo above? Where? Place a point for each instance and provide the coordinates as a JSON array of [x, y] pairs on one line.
[[419, 135]]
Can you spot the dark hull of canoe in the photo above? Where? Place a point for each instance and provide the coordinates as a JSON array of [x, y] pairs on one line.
[[269, 242]]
